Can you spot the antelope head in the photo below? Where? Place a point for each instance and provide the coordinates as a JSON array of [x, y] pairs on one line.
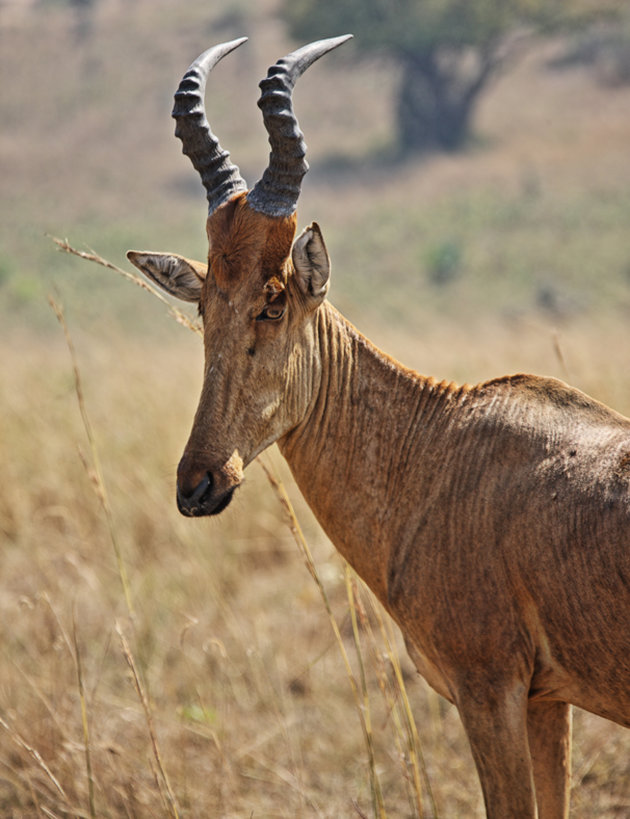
[[259, 292]]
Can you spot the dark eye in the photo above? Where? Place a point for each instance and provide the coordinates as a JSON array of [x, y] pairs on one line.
[[272, 312]]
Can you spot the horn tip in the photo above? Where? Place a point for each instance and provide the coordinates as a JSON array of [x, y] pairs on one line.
[[334, 42]]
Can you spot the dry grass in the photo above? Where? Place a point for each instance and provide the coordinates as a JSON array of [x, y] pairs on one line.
[[225, 693]]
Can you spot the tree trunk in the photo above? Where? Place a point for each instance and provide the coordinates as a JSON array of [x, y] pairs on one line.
[[436, 101]]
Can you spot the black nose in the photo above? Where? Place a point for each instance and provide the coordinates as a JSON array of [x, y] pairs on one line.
[[194, 502], [204, 498]]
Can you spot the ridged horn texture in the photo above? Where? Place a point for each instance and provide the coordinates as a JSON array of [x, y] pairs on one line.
[[277, 192], [219, 176]]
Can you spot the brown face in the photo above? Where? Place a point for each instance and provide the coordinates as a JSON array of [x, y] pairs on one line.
[[258, 303], [248, 334]]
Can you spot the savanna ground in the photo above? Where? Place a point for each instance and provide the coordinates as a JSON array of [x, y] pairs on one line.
[[199, 674]]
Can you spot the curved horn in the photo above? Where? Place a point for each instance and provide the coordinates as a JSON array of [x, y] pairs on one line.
[[277, 192], [220, 177]]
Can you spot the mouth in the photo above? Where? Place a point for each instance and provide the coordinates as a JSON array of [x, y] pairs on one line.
[[205, 504]]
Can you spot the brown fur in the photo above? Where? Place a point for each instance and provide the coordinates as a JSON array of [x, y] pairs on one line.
[[241, 239], [493, 522]]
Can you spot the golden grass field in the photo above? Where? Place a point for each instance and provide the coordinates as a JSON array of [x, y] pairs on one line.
[[159, 666]]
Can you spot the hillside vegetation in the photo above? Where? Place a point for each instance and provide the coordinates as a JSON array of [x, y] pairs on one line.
[[532, 215], [157, 666]]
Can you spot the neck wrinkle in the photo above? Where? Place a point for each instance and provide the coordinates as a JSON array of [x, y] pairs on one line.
[[366, 427]]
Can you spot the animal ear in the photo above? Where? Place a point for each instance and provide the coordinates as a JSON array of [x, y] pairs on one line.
[[312, 263], [180, 277]]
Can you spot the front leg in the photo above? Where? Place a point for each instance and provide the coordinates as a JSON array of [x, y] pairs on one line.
[[494, 714], [549, 730]]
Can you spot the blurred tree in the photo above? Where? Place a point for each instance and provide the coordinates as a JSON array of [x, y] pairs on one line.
[[605, 47], [84, 11], [447, 50]]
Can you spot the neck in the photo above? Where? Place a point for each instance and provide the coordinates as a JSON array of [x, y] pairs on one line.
[[369, 424]]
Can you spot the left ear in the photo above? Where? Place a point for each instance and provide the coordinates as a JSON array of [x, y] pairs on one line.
[[312, 263], [180, 277]]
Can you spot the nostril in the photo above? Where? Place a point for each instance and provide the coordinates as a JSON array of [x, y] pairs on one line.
[[190, 498], [202, 490]]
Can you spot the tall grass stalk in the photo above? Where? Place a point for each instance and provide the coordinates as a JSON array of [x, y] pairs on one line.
[[163, 780], [377, 798], [18, 740], [393, 691], [73, 650], [95, 472], [361, 702], [174, 312], [557, 349], [39, 695], [414, 747], [84, 718]]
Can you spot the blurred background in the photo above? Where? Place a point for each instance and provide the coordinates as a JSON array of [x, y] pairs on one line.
[[470, 171]]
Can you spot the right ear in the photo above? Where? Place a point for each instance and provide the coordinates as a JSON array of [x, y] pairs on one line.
[[311, 263], [180, 277]]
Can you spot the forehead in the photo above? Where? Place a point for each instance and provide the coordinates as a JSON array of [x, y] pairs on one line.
[[247, 247]]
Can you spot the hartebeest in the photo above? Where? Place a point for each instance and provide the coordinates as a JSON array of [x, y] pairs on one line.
[[492, 522]]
